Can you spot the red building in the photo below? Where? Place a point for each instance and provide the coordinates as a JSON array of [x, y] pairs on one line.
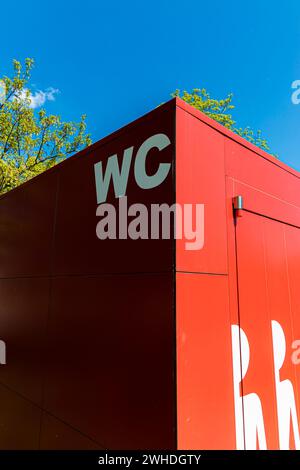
[[146, 344]]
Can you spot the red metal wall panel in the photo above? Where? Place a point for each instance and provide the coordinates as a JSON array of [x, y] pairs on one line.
[[110, 368], [292, 246], [281, 250], [19, 422], [77, 249], [97, 352], [204, 372], [262, 269], [265, 175], [266, 253], [256, 324], [23, 316], [200, 180], [202, 311], [26, 228], [56, 435]]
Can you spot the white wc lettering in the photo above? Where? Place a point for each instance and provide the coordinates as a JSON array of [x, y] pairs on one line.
[[119, 176]]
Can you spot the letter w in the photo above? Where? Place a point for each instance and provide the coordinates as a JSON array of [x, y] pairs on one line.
[[120, 178]]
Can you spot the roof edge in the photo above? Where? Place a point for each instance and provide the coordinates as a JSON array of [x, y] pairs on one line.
[[233, 136], [167, 106]]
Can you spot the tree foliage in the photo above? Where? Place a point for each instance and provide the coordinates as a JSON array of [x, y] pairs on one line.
[[31, 141], [220, 111]]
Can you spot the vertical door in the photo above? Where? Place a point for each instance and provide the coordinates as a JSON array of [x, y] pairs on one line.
[[265, 343]]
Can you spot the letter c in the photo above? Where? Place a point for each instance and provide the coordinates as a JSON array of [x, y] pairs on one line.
[[144, 181]]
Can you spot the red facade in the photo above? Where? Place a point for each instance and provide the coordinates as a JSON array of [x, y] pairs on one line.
[[143, 344]]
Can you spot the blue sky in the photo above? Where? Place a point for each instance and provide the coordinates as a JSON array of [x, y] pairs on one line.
[[116, 60]]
